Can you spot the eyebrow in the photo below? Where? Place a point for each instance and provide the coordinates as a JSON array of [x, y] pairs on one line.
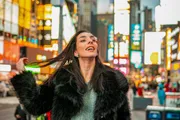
[[92, 36]]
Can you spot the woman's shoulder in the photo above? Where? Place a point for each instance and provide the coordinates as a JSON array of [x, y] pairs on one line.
[[117, 76]]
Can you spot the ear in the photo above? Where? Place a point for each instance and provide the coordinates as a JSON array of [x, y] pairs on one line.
[[75, 53]]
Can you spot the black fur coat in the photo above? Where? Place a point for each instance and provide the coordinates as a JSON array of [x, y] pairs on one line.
[[65, 101]]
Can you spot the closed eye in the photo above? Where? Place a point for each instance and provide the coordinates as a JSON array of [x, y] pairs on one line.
[[83, 41]]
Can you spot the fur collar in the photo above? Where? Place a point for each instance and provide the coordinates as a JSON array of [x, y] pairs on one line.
[[68, 100]]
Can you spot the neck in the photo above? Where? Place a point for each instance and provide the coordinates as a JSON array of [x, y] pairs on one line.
[[87, 66]]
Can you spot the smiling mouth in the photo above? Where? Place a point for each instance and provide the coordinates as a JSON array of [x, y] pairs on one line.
[[90, 49]]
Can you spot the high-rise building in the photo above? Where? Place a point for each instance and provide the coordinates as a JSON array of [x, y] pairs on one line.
[[87, 15]]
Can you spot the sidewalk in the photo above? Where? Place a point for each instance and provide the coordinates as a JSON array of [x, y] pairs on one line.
[[9, 100]]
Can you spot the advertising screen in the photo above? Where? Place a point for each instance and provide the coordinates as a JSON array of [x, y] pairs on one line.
[[15, 13], [55, 23], [8, 9], [124, 49], [121, 17], [172, 116], [136, 57], [27, 5], [11, 51], [165, 13], [152, 52], [69, 29], [21, 3]]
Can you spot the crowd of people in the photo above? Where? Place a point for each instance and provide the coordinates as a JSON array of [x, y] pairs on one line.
[[161, 88]]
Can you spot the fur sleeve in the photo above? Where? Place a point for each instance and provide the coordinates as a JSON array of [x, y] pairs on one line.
[[36, 99], [122, 81]]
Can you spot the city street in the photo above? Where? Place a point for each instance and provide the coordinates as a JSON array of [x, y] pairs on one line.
[[8, 104]]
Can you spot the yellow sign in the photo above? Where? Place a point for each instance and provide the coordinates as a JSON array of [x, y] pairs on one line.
[[21, 17], [21, 3], [27, 5], [154, 58]]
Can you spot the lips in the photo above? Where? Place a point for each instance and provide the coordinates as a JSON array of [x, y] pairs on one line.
[[90, 48]]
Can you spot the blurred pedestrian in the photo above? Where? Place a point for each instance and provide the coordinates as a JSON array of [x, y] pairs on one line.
[[20, 113], [134, 89], [81, 88], [161, 94], [3, 88], [140, 90]]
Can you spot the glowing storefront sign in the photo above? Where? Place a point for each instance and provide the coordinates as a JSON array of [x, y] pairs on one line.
[[5, 67], [124, 49], [110, 50], [48, 11], [135, 37], [116, 49], [33, 69]]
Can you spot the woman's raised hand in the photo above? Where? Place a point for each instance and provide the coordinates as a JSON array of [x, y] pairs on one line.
[[20, 64]]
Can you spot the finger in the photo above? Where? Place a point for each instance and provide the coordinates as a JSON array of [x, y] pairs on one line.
[[25, 60]]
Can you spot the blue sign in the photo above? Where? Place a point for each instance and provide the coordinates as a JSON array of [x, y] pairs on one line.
[[135, 32], [172, 116], [110, 50], [154, 115]]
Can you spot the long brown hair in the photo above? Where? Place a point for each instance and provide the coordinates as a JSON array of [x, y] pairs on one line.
[[66, 57]]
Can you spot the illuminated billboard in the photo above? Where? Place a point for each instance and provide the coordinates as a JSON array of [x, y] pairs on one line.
[[15, 13], [152, 47], [136, 58], [110, 50], [8, 11], [55, 23], [136, 36], [68, 26], [165, 13], [121, 17]]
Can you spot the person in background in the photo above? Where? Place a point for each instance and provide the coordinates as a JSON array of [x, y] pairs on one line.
[[161, 94], [140, 90], [167, 86], [81, 88], [3, 88], [134, 89], [20, 113]]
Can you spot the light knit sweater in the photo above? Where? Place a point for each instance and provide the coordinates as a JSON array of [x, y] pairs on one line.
[[87, 111]]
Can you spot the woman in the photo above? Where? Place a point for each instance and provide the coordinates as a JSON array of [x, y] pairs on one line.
[[82, 88]]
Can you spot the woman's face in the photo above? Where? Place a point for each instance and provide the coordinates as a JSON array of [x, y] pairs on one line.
[[86, 45]]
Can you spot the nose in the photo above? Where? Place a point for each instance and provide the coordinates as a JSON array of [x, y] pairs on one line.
[[90, 41]]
